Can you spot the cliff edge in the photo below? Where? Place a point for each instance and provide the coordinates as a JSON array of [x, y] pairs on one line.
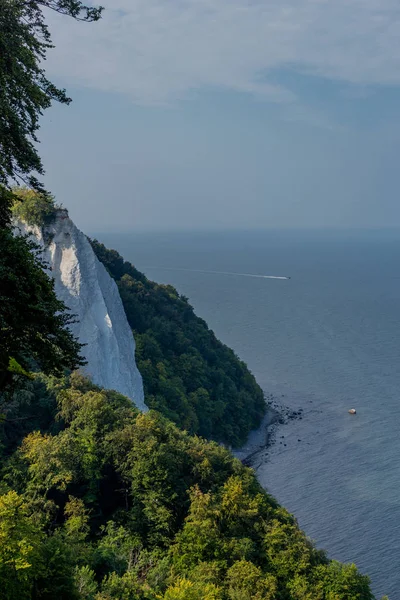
[[84, 285]]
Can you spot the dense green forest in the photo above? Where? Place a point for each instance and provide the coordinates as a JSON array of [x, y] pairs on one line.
[[100, 502], [189, 375]]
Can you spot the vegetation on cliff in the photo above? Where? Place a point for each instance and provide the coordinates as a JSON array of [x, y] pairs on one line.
[[189, 375], [32, 207], [33, 322]]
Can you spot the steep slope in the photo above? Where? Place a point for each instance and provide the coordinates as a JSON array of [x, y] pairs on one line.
[[188, 374], [84, 285]]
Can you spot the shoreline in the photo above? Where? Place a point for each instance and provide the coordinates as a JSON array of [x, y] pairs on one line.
[[261, 439]]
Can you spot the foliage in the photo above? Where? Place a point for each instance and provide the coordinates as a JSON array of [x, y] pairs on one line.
[[184, 589], [32, 207], [33, 322], [189, 376], [114, 504], [25, 91], [19, 547], [6, 201]]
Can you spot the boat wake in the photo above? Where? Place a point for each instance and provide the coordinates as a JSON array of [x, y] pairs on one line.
[[217, 272]]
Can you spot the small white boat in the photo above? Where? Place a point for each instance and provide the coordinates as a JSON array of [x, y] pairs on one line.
[[353, 411]]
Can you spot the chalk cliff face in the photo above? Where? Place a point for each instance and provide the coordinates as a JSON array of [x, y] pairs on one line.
[[85, 286]]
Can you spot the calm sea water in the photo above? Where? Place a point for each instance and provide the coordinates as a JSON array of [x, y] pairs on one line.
[[326, 340]]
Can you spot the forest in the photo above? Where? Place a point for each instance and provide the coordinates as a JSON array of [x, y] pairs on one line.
[[101, 502]]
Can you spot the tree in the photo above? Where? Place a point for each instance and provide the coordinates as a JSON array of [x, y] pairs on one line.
[[20, 541], [248, 582], [6, 200], [184, 589], [25, 91], [344, 582], [31, 207], [33, 322]]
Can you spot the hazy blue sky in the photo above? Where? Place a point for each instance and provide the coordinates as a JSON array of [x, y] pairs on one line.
[[227, 114]]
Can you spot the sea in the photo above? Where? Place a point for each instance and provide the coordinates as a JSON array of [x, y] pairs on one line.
[[325, 340]]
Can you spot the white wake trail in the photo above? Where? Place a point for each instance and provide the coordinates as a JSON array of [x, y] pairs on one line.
[[217, 272]]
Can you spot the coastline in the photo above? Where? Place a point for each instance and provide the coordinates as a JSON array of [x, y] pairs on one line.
[[261, 438]]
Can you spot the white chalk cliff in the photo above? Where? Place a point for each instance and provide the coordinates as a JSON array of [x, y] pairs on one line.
[[84, 285]]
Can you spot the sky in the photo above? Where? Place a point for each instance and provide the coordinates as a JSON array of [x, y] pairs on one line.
[[227, 114]]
